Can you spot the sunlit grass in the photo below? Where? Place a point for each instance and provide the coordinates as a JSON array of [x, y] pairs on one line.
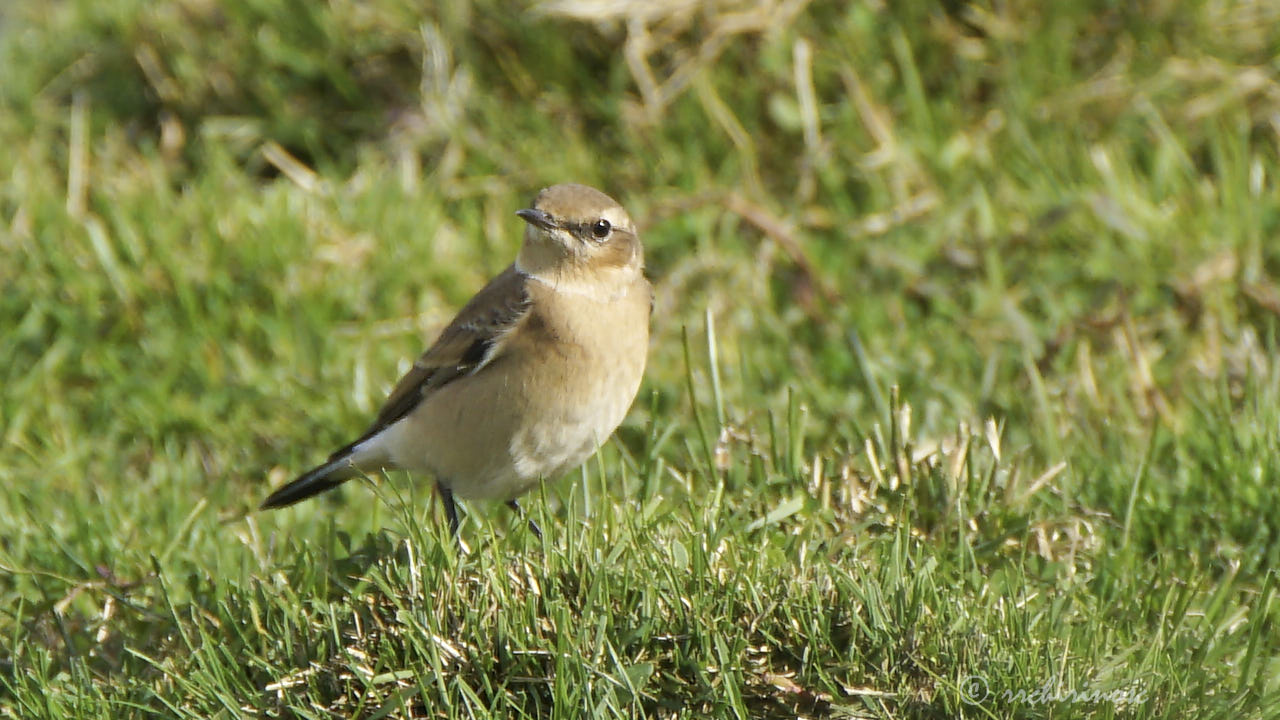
[[962, 399]]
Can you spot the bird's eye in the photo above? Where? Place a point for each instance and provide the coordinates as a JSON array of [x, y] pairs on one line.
[[601, 229]]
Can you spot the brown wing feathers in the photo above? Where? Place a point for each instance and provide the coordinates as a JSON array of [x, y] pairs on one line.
[[471, 341]]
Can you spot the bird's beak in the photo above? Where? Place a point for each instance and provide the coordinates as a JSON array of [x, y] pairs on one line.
[[536, 218]]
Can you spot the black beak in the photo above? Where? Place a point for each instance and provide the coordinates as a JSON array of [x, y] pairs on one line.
[[536, 218]]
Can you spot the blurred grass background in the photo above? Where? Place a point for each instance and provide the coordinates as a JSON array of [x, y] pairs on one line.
[[964, 360]]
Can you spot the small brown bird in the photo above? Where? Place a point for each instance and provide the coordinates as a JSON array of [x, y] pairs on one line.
[[533, 374]]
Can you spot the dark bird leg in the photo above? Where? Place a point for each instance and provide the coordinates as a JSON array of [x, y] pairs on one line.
[[450, 508], [520, 511]]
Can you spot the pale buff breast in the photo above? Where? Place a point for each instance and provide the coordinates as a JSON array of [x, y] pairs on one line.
[[554, 396]]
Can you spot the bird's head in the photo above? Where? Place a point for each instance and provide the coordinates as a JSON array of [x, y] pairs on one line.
[[578, 234]]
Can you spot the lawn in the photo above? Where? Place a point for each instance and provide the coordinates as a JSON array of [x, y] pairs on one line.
[[963, 398]]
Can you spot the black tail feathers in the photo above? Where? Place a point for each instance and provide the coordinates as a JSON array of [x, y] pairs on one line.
[[313, 482]]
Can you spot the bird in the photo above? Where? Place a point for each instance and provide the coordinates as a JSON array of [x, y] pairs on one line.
[[530, 378]]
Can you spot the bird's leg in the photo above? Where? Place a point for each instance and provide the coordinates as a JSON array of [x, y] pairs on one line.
[[520, 511], [450, 508]]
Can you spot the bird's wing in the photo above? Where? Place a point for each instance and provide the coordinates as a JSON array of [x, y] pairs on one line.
[[476, 337]]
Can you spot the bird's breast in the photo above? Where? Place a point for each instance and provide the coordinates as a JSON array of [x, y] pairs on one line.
[[561, 384], [593, 357]]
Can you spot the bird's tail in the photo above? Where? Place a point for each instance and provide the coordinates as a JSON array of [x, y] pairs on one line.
[[333, 473]]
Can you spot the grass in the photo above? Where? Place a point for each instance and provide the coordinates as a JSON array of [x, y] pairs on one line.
[[963, 400]]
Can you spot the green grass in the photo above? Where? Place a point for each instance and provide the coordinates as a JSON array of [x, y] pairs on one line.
[[963, 401]]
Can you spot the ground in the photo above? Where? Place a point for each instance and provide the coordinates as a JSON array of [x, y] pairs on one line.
[[963, 397]]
